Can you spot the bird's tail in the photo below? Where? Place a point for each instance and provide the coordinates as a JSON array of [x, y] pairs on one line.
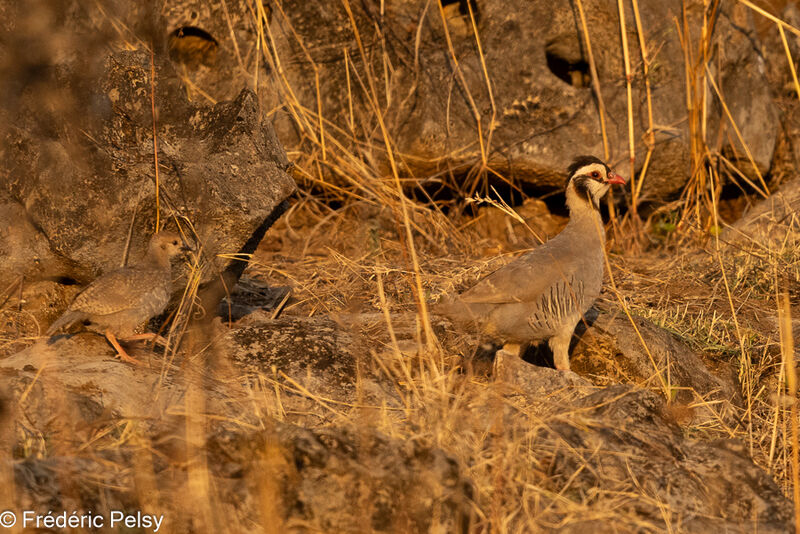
[[68, 319], [443, 305], [449, 306]]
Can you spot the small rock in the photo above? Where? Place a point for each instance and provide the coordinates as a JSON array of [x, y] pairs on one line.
[[539, 384], [612, 347]]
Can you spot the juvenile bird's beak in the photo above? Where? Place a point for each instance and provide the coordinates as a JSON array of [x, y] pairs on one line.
[[186, 248], [614, 178]]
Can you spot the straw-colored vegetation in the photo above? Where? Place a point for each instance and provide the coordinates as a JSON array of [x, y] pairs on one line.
[[713, 295]]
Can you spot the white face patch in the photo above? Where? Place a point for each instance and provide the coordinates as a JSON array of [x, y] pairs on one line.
[[596, 171], [597, 189], [591, 179]]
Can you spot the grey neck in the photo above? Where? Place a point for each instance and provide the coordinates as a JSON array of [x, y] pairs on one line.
[[156, 257]]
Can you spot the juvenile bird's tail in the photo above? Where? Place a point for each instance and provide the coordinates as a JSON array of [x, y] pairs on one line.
[[69, 318]]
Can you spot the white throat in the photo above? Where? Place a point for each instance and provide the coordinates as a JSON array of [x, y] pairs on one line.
[[579, 204]]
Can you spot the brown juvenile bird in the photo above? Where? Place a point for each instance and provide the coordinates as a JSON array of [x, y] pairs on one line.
[[120, 301], [544, 293]]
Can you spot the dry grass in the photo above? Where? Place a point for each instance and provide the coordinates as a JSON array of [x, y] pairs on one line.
[[718, 298]]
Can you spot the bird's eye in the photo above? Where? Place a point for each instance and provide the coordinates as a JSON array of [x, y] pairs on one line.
[[595, 174], [174, 242]]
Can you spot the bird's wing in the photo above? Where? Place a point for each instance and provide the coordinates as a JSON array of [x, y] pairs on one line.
[[116, 291], [523, 280]]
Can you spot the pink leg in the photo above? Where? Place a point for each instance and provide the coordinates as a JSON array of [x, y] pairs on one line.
[[148, 336], [123, 356]]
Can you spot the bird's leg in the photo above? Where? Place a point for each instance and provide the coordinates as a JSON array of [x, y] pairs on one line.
[[123, 356], [148, 336], [559, 344]]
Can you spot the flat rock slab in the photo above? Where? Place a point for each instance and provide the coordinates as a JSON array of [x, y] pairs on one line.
[[311, 362], [642, 352], [539, 384], [84, 368], [317, 364]]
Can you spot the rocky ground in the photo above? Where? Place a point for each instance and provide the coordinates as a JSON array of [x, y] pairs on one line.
[[329, 414], [305, 386]]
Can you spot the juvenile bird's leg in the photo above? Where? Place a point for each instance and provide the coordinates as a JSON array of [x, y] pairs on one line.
[[123, 356], [148, 336]]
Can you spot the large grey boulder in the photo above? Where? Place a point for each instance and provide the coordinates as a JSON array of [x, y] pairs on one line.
[[220, 168], [536, 111], [78, 166]]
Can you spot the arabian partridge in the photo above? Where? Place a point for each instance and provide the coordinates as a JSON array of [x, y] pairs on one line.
[[544, 293], [120, 301]]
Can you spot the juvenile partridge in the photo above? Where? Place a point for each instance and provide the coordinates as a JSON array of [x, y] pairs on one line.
[[120, 301]]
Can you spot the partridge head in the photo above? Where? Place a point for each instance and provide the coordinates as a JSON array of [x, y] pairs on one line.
[[164, 247], [589, 179]]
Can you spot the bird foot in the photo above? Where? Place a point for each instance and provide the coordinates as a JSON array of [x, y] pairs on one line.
[[123, 356], [148, 336], [127, 358]]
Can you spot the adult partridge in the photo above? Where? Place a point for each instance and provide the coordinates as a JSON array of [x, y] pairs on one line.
[[542, 294], [120, 301]]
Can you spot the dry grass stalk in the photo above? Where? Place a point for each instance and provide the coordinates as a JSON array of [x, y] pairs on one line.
[[321, 132], [763, 190], [788, 357], [745, 373], [460, 75], [430, 338], [503, 206], [629, 94], [792, 68], [664, 381], [636, 188], [155, 136], [492, 120], [771, 17], [601, 108]]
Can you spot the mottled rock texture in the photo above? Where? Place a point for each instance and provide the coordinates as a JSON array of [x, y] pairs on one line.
[[524, 87], [78, 149]]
